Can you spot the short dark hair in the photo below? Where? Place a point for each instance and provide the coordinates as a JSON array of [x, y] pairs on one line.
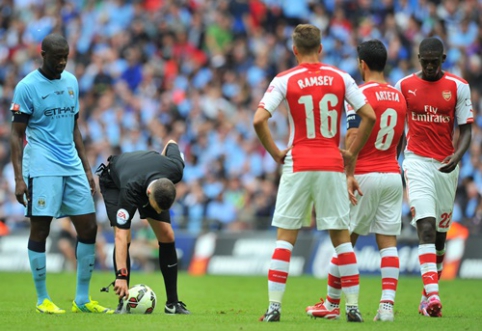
[[374, 54], [54, 41], [164, 193], [431, 45], [306, 38]]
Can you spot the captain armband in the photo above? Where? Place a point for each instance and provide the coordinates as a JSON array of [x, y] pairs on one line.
[[19, 117], [353, 121]]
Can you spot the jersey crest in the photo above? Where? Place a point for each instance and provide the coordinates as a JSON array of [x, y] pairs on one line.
[[447, 95]]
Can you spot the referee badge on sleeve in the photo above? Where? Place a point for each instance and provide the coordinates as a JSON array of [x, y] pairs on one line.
[[122, 216], [15, 107]]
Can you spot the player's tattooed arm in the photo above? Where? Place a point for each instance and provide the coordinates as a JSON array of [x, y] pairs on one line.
[[350, 154]]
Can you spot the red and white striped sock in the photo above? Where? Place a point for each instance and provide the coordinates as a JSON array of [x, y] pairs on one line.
[[278, 271], [428, 268], [350, 277], [333, 295], [390, 269], [440, 265]]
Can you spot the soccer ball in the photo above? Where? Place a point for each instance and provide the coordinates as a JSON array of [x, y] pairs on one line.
[[141, 300]]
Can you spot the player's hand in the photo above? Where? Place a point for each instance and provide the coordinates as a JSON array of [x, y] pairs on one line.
[[121, 288], [91, 180], [353, 187], [450, 163], [281, 155], [21, 192]]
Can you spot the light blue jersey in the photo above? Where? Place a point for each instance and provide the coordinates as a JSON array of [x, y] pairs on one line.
[[52, 106]]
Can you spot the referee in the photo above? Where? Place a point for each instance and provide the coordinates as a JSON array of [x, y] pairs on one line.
[[143, 181]]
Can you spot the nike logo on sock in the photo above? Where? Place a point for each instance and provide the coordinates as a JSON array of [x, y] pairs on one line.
[[39, 268], [171, 265]]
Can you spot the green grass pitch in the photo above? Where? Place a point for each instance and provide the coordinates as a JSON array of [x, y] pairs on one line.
[[233, 303]]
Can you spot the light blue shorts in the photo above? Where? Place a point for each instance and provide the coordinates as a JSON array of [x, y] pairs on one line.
[[59, 196]]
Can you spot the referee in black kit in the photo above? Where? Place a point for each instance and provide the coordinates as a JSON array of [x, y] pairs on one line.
[[143, 181]]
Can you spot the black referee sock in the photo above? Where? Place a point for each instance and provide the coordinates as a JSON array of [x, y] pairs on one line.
[[128, 264], [168, 265]]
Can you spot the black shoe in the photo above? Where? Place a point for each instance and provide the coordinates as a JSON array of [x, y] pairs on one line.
[[273, 316], [353, 315], [121, 309], [176, 308]]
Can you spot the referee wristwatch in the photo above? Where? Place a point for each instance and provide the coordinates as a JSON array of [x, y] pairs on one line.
[[121, 273]]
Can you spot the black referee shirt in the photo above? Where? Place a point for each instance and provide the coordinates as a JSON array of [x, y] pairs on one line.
[[133, 172]]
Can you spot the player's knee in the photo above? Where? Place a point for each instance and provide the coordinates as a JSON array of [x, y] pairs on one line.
[[426, 238], [92, 230], [88, 232], [426, 232], [167, 236], [39, 233]]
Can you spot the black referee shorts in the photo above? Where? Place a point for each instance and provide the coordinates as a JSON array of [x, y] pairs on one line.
[[111, 193]]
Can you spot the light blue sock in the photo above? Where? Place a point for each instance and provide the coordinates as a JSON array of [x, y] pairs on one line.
[[38, 266], [85, 265]]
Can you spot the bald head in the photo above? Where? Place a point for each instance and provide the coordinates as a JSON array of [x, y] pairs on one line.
[[431, 45], [431, 56], [53, 42], [55, 51]]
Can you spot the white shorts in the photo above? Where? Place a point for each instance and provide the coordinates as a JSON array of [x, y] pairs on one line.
[[299, 191], [379, 210], [431, 193]]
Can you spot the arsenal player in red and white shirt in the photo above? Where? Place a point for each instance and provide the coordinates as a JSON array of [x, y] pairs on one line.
[[377, 174], [312, 164], [434, 100]]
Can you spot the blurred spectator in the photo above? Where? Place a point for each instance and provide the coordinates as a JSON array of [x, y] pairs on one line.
[[194, 71], [66, 243], [67, 240], [144, 248]]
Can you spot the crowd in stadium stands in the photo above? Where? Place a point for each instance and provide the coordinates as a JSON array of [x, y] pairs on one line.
[[194, 71]]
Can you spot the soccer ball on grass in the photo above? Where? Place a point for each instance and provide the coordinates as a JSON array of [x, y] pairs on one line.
[[141, 300]]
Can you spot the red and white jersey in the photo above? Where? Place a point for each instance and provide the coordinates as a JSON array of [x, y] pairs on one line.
[[431, 111], [380, 151], [315, 95]]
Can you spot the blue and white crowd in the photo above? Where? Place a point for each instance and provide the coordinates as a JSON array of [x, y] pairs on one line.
[[195, 70]]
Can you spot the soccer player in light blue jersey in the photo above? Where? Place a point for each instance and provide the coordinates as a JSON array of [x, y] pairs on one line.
[[52, 174]]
